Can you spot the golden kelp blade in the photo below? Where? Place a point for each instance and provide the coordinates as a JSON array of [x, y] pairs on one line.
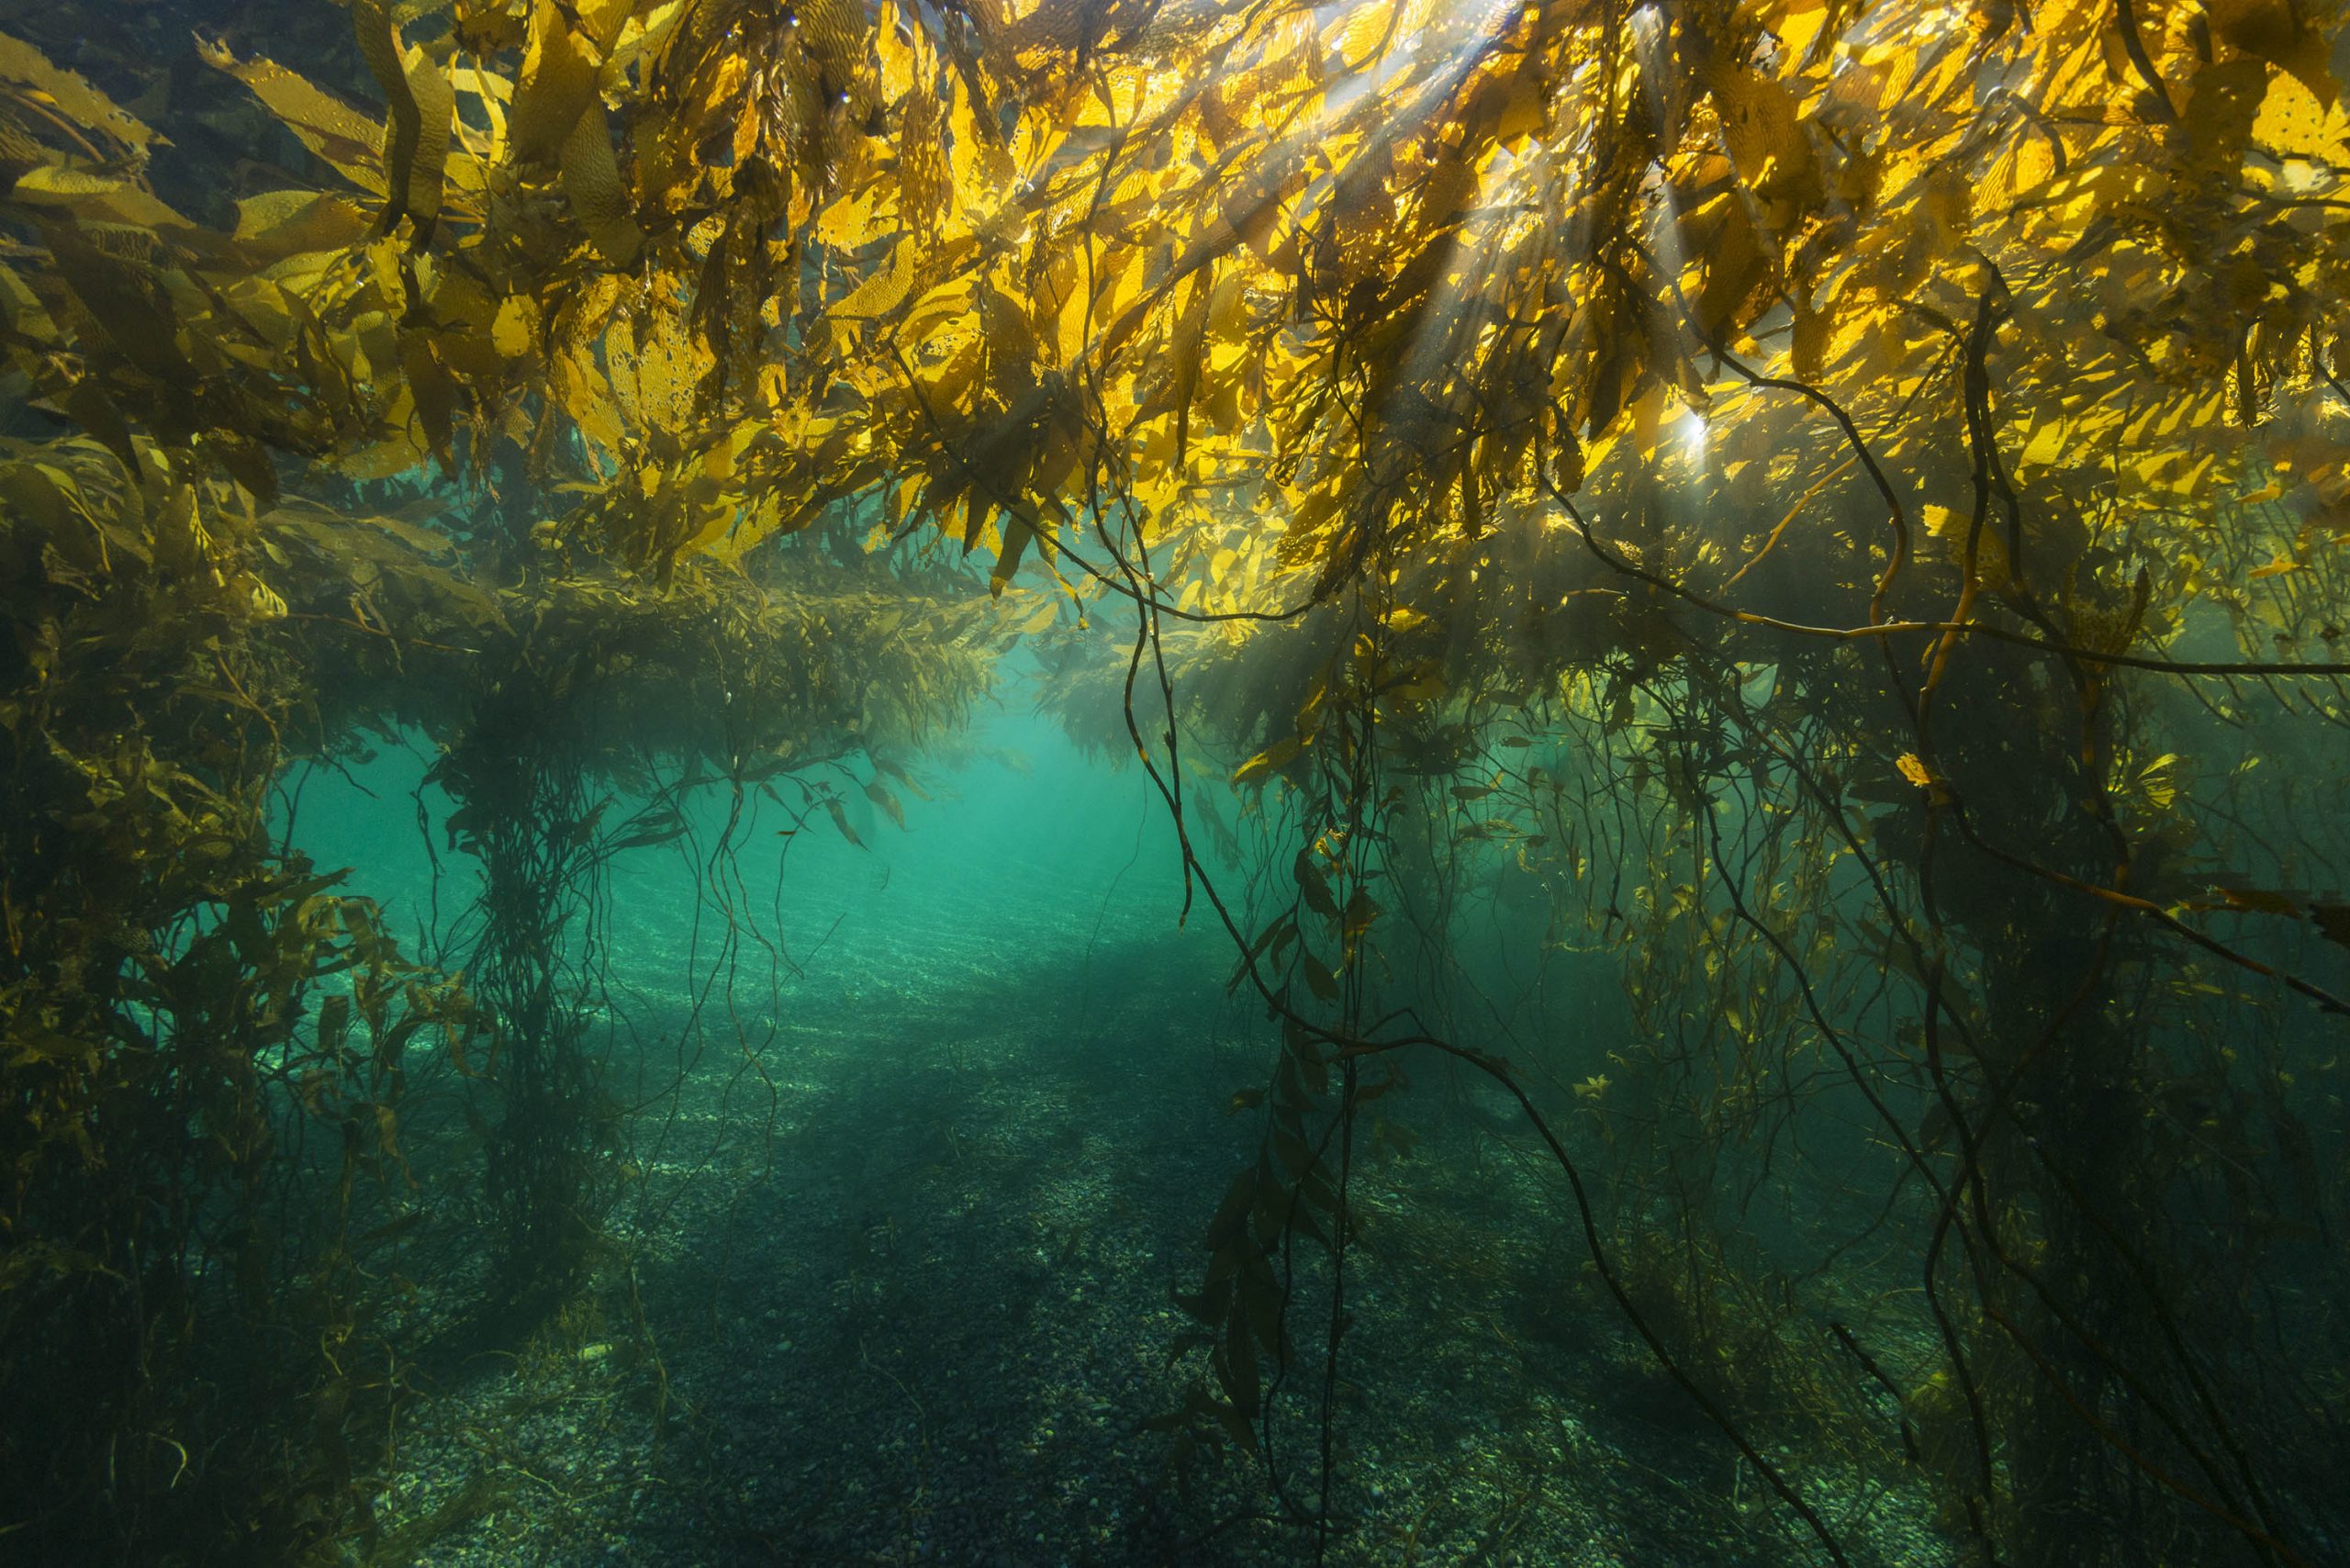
[[71, 97], [422, 103], [351, 143]]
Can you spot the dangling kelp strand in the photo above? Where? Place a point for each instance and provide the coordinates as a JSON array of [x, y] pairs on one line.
[[1479, 408]]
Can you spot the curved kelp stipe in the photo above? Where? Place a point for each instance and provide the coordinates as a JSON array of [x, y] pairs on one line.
[[1733, 613]]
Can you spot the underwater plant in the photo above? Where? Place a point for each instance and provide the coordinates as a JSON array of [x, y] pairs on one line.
[[1840, 508]]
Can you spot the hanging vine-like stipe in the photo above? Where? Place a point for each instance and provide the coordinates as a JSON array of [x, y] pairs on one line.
[[1759, 584]]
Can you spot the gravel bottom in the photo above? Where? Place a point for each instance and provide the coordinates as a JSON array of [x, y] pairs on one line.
[[914, 1304]]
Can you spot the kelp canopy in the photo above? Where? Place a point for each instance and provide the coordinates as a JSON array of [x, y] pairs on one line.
[[1824, 495]]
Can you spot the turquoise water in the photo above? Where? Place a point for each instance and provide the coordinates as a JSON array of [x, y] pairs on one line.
[[892, 1277], [1017, 823]]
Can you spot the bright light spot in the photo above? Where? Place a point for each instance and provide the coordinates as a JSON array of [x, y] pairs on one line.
[[1692, 431]]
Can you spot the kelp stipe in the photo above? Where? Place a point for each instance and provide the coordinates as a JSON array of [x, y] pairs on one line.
[[1822, 525], [207, 1043]]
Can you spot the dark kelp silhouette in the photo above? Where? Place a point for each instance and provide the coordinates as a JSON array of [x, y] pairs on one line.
[[1837, 511]]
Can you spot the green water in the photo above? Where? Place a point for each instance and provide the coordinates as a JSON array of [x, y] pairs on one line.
[[893, 1277]]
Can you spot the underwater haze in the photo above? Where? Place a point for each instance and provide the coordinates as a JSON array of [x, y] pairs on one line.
[[1032, 783], [903, 1234]]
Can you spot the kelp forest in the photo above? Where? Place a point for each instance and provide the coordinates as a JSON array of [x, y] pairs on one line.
[[1175, 781]]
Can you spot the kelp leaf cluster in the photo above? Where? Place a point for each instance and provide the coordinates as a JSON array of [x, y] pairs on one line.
[[1813, 496]]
